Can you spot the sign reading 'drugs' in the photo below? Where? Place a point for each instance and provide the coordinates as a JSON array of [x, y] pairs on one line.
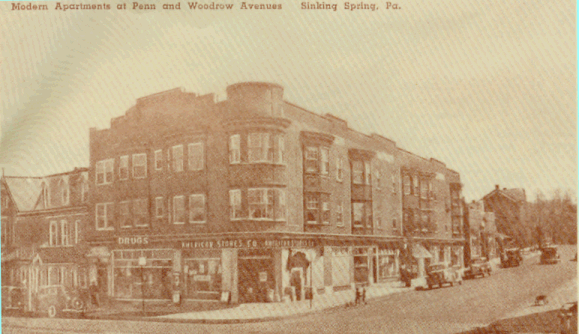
[[246, 243]]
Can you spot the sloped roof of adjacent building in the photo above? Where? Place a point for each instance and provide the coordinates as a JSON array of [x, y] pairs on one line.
[[514, 194], [25, 191]]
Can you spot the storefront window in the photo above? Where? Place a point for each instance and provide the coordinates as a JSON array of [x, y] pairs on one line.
[[152, 281], [387, 267]]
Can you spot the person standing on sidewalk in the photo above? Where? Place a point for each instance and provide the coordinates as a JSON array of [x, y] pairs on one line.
[[94, 294]]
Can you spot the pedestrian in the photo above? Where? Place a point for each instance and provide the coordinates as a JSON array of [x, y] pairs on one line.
[[94, 294]]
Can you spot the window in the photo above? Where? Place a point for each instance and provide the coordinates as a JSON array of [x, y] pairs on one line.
[[260, 203], [326, 213], [235, 149], [124, 167], [324, 161], [394, 184], [179, 210], [416, 186], [339, 214], [84, 190], [339, 169], [312, 208], [125, 214], [430, 192], [423, 189], [280, 204], [358, 172], [311, 161], [259, 147], [141, 212], [195, 156], [197, 208], [53, 237], [159, 207], [65, 192], [177, 156], [235, 204], [104, 214], [394, 224], [158, 159], [140, 165], [407, 184], [367, 173], [76, 231], [279, 151], [104, 171], [358, 214], [64, 233]]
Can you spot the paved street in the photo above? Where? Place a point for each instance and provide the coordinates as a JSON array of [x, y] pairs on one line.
[[479, 302]]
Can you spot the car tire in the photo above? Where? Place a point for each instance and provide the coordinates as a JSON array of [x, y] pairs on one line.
[[52, 311], [77, 304]]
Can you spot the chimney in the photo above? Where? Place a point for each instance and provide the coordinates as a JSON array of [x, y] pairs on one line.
[[497, 187]]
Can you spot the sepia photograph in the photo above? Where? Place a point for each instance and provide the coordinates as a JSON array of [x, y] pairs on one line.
[[277, 166]]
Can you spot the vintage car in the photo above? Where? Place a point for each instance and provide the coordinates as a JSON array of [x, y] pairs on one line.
[[549, 255], [511, 258], [478, 267], [54, 300], [13, 298], [440, 273], [568, 315]]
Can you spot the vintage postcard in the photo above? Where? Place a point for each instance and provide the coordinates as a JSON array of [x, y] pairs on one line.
[[287, 166]]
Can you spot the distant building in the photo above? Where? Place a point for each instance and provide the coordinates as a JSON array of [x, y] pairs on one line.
[[510, 209], [42, 226], [480, 232]]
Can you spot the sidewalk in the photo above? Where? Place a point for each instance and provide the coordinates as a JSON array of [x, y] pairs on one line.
[[270, 311]]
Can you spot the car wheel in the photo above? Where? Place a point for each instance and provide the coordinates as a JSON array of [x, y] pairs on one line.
[[52, 311], [77, 304]]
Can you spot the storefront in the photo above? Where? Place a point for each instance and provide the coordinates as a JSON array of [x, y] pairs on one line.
[[202, 274], [387, 264]]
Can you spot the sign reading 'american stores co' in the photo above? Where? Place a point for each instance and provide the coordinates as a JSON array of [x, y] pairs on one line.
[[247, 243]]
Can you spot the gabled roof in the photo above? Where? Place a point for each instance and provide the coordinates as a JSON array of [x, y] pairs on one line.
[[515, 194], [25, 191]]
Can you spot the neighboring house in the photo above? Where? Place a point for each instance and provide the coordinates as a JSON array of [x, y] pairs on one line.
[[480, 232], [254, 198], [45, 221], [509, 207]]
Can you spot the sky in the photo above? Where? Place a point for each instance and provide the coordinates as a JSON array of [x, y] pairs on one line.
[[488, 87]]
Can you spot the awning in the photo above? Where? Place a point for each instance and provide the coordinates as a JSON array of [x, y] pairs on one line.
[[419, 252]]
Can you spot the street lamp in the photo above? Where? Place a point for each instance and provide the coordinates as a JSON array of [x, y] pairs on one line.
[[142, 263]]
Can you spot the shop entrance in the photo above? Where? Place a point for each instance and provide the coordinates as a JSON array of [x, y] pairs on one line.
[[255, 275]]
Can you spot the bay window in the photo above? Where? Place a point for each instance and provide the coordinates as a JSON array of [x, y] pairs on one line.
[[259, 148], [311, 159], [260, 204], [197, 208], [357, 172]]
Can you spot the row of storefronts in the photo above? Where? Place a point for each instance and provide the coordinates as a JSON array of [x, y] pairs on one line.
[[246, 269]]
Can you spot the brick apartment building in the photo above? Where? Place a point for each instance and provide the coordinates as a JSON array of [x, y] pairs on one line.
[[256, 199], [510, 209], [42, 230]]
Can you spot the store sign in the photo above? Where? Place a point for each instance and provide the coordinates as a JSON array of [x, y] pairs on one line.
[[246, 243], [133, 241]]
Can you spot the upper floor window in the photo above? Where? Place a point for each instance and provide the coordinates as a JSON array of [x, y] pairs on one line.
[[312, 209], [64, 240], [53, 236], [260, 149], [317, 160], [339, 214], [361, 172], [407, 184], [124, 167], [195, 156], [416, 189], [326, 212], [139, 165], [179, 210], [104, 171], [266, 203], [158, 159], [159, 207], [141, 212], [235, 149], [235, 209], [177, 161], [104, 216], [65, 192], [125, 214], [197, 208], [339, 169], [317, 208], [76, 231], [362, 214], [424, 189]]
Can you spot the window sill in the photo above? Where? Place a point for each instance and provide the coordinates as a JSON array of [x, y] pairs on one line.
[[178, 223], [258, 163], [141, 226], [259, 220], [106, 229], [201, 222]]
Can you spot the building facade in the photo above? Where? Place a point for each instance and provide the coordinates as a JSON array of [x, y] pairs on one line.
[[45, 220], [480, 232], [510, 210], [256, 199]]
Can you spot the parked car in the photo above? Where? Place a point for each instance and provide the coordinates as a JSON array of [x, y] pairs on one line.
[[568, 315], [13, 298], [440, 274], [54, 300], [511, 258], [549, 255], [478, 266]]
